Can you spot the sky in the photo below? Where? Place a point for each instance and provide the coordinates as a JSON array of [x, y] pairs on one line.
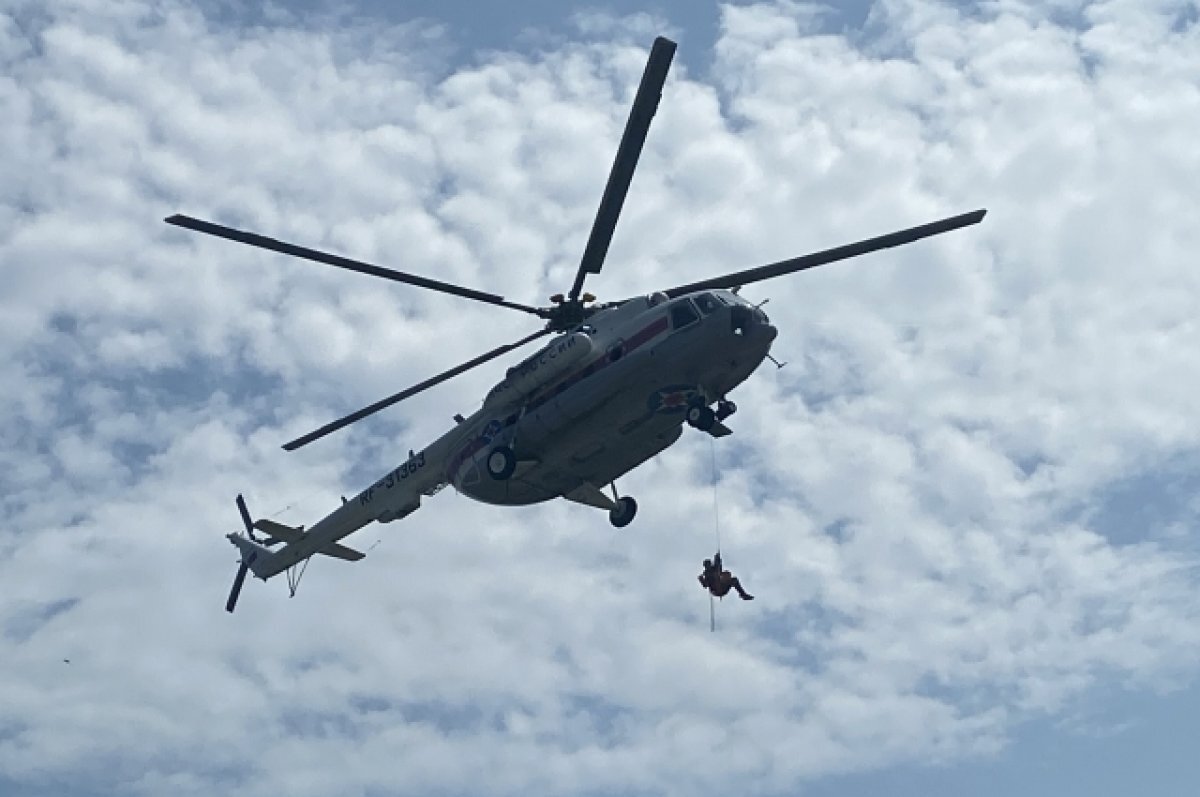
[[967, 504]]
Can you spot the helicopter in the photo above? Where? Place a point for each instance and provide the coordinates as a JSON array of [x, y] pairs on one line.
[[614, 386]]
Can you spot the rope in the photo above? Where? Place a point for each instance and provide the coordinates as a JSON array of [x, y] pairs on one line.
[[716, 508], [712, 612]]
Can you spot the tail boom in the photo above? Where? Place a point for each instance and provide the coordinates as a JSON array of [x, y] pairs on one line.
[[300, 545]]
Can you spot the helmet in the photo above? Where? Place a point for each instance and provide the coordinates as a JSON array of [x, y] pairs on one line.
[[707, 563]]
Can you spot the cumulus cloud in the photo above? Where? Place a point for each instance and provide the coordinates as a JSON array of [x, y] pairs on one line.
[[923, 498]]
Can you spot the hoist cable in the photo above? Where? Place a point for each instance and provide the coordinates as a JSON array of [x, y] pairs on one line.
[[716, 508], [712, 610]]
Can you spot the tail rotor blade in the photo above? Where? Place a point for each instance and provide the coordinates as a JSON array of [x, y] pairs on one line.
[[236, 590], [241, 505], [240, 578]]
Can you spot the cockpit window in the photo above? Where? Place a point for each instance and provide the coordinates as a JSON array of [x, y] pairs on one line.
[[734, 299], [682, 314], [707, 303]]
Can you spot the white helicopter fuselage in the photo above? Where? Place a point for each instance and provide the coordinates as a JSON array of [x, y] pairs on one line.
[[591, 418]]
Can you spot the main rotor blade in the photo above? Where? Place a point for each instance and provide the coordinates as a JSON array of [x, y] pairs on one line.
[[644, 105], [263, 242], [412, 391], [831, 255]]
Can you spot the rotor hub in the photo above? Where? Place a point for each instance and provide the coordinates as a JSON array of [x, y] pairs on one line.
[[568, 313]]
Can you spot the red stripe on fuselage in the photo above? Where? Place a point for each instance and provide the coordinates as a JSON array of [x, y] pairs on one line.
[[635, 341], [646, 334]]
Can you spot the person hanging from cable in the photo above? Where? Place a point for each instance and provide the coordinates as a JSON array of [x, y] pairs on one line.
[[719, 581]]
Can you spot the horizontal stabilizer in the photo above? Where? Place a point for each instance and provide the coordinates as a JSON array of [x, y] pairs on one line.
[[293, 535], [280, 531], [339, 551]]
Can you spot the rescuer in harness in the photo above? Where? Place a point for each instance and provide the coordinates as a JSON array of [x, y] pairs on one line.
[[719, 581]]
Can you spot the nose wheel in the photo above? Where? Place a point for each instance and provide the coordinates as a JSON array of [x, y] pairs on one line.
[[623, 513], [700, 417]]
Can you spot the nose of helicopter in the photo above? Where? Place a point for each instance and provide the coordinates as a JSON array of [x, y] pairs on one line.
[[753, 323], [762, 328]]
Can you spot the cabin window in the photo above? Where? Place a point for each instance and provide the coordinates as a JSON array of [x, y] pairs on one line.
[[683, 314], [707, 304]]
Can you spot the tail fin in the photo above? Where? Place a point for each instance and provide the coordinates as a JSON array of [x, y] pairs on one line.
[[254, 556], [259, 559]]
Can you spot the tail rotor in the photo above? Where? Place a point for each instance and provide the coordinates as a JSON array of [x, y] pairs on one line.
[[247, 558]]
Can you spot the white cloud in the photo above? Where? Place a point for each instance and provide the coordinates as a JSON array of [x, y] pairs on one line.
[[918, 498]]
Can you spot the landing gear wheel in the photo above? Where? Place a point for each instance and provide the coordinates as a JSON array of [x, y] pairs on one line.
[[501, 463], [624, 512], [701, 417]]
